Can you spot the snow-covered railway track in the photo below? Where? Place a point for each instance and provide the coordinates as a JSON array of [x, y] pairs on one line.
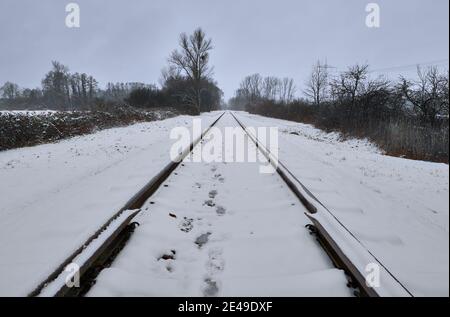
[[369, 276], [86, 262], [214, 229], [222, 229]]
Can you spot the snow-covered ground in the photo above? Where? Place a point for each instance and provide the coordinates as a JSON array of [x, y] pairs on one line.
[[28, 112], [54, 196], [222, 229], [398, 208]]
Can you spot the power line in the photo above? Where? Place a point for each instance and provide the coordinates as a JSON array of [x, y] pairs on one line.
[[410, 66], [394, 68]]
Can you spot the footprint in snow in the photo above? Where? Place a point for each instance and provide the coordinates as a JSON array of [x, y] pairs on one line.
[[209, 203], [215, 263], [213, 194], [186, 225], [202, 239], [220, 210], [168, 256], [211, 289]]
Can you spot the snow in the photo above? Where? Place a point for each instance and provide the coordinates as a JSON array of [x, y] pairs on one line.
[[51, 289], [55, 196], [222, 229], [29, 112], [398, 208]]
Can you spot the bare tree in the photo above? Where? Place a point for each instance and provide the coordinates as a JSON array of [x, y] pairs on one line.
[[429, 94], [349, 83], [255, 88], [445, 90], [251, 87], [318, 83], [55, 86], [286, 90], [270, 87], [168, 73], [193, 60], [10, 90]]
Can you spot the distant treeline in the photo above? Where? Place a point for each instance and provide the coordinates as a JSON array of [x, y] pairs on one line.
[[405, 118], [62, 90], [186, 84]]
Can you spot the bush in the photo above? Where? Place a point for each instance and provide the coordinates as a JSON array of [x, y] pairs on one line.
[[398, 134], [21, 129], [407, 118]]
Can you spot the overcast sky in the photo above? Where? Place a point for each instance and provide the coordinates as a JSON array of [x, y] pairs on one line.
[[129, 40]]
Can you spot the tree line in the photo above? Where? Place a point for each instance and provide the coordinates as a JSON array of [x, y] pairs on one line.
[[405, 117], [255, 88], [186, 83]]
